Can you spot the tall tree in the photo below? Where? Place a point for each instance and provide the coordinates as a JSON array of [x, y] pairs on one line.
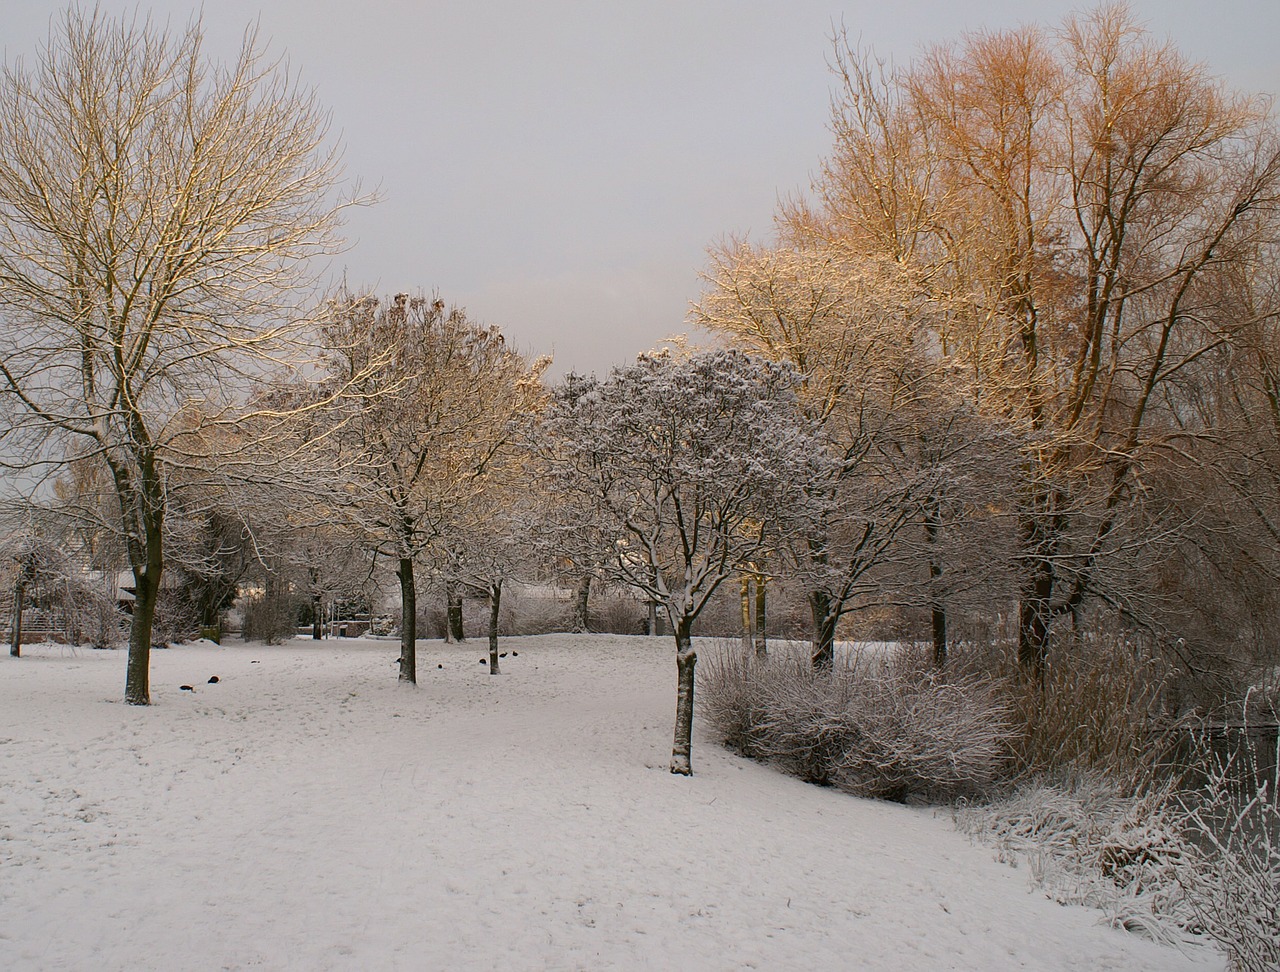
[[156, 212], [684, 460], [1070, 203]]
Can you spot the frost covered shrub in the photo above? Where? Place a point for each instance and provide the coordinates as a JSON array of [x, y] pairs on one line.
[[1089, 840], [1235, 817], [1169, 862], [269, 618], [871, 729]]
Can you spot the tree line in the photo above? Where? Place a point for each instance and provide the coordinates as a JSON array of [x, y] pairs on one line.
[[1014, 354]]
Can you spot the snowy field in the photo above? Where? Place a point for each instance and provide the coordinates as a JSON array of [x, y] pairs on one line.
[[308, 812]]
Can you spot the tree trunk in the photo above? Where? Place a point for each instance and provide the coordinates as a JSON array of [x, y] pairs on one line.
[[653, 618], [824, 631], [939, 618], [317, 617], [495, 601], [762, 639], [408, 622], [581, 618], [453, 616], [137, 682], [938, 608], [746, 611], [686, 659], [19, 596], [1034, 615], [147, 560], [1033, 632]]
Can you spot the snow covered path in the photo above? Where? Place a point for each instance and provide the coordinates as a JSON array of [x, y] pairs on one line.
[[308, 812]]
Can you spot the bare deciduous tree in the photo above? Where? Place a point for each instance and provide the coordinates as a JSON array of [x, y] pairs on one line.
[[156, 213], [1069, 203], [685, 460], [846, 323], [435, 408]]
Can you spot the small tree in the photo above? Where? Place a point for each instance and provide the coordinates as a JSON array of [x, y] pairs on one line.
[[848, 325], [436, 396], [684, 460], [33, 561]]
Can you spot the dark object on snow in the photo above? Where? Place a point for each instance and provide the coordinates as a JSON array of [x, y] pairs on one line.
[[484, 661], [255, 662], [187, 688], [502, 654], [439, 666], [514, 654], [213, 679]]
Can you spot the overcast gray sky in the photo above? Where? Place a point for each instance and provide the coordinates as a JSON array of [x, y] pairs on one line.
[[559, 167]]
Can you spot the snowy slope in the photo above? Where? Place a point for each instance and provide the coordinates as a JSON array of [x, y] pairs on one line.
[[308, 812]]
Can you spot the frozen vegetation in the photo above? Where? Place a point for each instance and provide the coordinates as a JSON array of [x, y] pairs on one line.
[[310, 811]]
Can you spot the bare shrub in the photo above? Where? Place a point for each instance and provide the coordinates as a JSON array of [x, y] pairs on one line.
[[269, 618], [1089, 840], [1175, 859], [869, 728], [525, 615], [1235, 817], [93, 617], [615, 614]]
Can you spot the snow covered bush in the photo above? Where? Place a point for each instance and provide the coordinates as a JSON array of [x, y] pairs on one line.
[[270, 617], [873, 729], [1175, 860], [1235, 816], [1089, 840], [93, 616]]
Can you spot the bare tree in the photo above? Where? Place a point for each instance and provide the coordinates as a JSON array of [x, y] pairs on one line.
[[846, 323], [436, 400], [490, 538], [1069, 204], [156, 212], [31, 560], [686, 460]]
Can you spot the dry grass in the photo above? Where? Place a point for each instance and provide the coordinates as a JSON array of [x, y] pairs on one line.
[[1100, 708]]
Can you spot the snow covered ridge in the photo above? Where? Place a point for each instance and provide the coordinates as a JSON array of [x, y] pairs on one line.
[[309, 812]]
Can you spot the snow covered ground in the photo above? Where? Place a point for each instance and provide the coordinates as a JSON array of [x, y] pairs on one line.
[[308, 812]]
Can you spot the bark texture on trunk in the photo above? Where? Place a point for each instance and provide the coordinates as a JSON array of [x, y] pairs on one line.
[[939, 618], [408, 622], [495, 602], [137, 680], [317, 618], [686, 659], [938, 609], [761, 638], [746, 611], [19, 596], [824, 631], [453, 621], [1034, 616]]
